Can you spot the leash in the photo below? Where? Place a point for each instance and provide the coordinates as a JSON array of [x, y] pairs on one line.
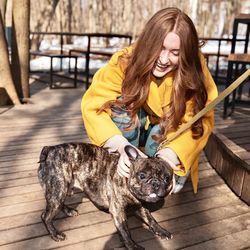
[[207, 108]]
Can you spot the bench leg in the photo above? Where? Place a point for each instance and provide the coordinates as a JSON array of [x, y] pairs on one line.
[[51, 73], [229, 78], [75, 73]]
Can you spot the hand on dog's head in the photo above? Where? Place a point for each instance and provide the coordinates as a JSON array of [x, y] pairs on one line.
[[131, 152], [151, 179]]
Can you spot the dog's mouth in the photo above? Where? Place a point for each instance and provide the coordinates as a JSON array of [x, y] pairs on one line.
[[152, 197]]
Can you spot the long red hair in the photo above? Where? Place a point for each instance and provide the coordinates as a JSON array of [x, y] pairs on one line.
[[189, 82]]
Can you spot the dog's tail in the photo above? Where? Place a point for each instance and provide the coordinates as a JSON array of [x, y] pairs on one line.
[[44, 154]]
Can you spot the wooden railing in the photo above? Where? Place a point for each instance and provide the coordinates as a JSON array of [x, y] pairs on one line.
[[88, 50]]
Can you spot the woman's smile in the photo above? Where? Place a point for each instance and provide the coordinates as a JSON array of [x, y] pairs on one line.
[[161, 66]]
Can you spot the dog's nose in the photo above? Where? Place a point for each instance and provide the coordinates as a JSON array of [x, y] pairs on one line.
[[155, 183]]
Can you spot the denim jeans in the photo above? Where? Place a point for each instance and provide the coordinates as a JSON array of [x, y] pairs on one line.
[[137, 136]]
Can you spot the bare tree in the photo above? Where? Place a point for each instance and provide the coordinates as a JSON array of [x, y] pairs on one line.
[[3, 5], [6, 80], [20, 47], [43, 18]]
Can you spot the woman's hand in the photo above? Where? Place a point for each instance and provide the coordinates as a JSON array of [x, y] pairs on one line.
[[117, 143], [168, 155]]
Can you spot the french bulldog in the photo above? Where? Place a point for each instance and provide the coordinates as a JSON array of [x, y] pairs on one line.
[[93, 169]]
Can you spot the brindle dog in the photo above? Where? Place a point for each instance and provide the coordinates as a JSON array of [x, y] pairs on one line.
[[93, 169]]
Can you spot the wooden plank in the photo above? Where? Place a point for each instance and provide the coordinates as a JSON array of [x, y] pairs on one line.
[[51, 132], [238, 180], [36, 124], [18, 175], [238, 240], [18, 182], [228, 171], [16, 167], [17, 190], [48, 140], [245, 195]]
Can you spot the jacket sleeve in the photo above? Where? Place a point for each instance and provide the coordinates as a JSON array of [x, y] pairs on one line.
[[106, 86], [187, 148]]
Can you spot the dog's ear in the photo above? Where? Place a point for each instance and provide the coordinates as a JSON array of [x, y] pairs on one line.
[[131, 152]]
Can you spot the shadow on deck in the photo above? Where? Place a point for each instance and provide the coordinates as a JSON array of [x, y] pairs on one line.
[[215, 218]]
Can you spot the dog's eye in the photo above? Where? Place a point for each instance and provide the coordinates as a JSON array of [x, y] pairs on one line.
[[166, 179], [142, 176]]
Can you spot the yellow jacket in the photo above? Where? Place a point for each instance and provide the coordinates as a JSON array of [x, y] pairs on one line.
[[106, 85]]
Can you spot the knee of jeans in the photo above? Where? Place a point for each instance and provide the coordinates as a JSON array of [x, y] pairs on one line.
[[121, 117], [152, 145], [132, 136]]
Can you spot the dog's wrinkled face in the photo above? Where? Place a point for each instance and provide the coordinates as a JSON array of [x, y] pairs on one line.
[[151, 179]]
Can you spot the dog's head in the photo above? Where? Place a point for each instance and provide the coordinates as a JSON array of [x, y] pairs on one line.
[[151, 179]]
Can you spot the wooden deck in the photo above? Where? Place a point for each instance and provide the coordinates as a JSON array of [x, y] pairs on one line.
[[215, 218]]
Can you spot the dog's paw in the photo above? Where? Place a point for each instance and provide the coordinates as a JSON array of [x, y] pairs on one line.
[[58, 236], [70, 211], [161, 232], [164, 234]]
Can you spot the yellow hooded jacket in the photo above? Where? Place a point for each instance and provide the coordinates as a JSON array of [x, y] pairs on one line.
[[106, 86]]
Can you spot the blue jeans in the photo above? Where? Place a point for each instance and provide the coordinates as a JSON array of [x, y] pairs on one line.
[[137, 136]]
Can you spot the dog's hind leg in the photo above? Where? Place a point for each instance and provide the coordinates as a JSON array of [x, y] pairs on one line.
[[55, 200], [47, 217]]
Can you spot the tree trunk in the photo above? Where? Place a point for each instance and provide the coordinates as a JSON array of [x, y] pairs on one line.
[[20, 47], [3, 4], [6, 80], [45, 15]]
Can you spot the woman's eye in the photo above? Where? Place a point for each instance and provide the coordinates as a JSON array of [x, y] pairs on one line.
[[175, 53]]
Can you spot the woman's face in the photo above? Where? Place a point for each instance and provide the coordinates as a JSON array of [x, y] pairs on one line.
[[169, 56]]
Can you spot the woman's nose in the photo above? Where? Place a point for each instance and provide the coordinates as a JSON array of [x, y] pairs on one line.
[[164, 57]]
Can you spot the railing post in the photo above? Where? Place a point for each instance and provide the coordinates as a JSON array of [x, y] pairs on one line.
[[61, 49], [217, 61], [88, 60]]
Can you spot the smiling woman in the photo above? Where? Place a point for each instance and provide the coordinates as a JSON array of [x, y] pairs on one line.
[[147, 91], [169, 56]]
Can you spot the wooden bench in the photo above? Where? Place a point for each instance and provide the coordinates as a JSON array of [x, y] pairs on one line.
[[75, 53], [55, 54]]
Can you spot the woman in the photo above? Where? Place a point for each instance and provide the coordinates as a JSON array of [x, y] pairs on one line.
[[147, 91]]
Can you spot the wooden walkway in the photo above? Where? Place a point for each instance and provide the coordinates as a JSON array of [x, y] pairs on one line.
[[215, 218]]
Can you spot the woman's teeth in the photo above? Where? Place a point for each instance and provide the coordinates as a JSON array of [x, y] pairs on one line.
[[162, 66]]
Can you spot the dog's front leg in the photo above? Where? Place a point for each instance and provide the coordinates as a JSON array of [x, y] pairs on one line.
[[148, 219], [120, 221]]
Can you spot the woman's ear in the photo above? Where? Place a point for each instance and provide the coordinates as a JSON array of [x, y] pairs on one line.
[[131, 152]]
